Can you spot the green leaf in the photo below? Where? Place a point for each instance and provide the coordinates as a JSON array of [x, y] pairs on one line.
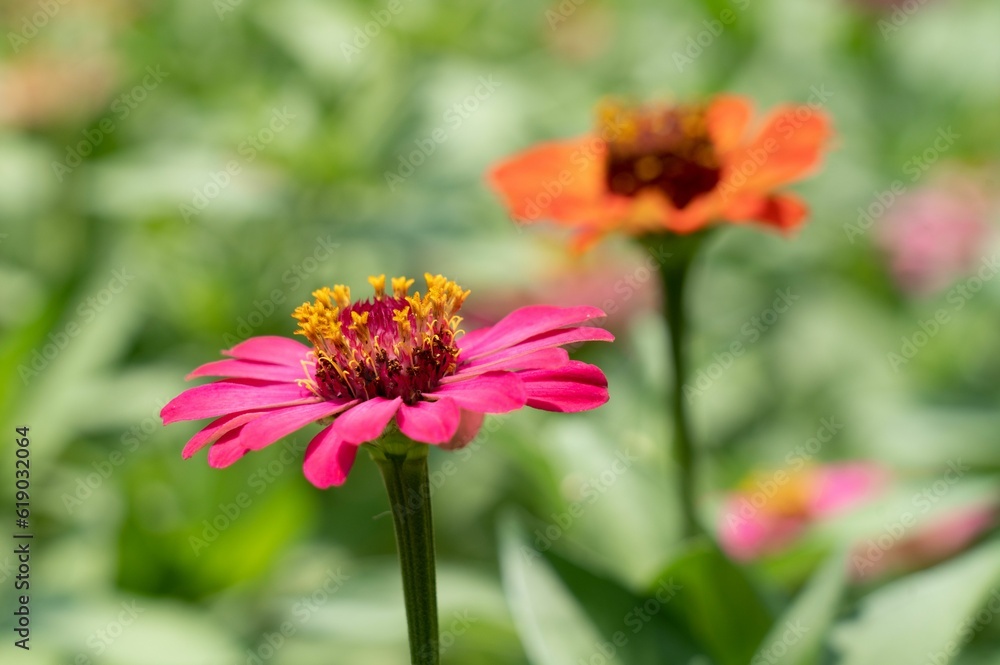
[[796, 638], [553, 627], [718, 604], [923, 618]]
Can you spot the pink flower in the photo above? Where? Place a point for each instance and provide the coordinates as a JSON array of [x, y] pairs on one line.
[[772, 511], [935, 236], [394, 358], [931, 543]]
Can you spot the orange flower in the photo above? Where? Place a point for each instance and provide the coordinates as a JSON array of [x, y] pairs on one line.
[[677, 169]]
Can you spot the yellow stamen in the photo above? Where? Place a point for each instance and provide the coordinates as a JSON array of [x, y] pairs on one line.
[[378, 283]]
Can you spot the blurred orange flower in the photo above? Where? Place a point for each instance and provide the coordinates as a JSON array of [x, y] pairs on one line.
[[660, 168]]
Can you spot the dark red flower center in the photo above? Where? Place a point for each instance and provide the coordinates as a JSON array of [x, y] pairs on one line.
[[660, 148], [389, 346]]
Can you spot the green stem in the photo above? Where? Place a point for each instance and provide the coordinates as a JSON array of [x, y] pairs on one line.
[[674, 274], [403, 465]]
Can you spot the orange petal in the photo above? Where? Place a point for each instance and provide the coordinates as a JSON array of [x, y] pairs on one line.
[[789, 145], [562, 181], [784, 211], [728, 119]]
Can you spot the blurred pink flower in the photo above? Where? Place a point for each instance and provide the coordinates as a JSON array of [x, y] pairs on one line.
[[935, 235], [930, 543], [772, 510]]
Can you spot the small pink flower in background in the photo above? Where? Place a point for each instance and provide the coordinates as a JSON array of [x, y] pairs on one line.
[[396, 361], [930, 543], [772, 511], [935, 236]]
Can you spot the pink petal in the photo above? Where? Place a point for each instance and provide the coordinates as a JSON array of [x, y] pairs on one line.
[[328, 459], [268, 428], [227, 450], [575, 387], [841, 486], [468, 428], [746, 533], [217, 429], [492, 392], [430, 422], [270, 349], [366, 421], [242, 369], [522, 324], [549, 358], [552, 338], [223, 397]]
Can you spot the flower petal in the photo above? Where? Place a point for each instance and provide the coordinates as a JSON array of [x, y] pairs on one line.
[[270, 427], [524, 323], [784, 211], [788, 146], [575, 387], [552, 338], [728, 119], [492, 392], [214, 431], [242, 369], [223, 397], [227, 450], [270, 349], [540, 359], [365, 422], [328, 459], [430, 422], [558, 180], [468, 428]]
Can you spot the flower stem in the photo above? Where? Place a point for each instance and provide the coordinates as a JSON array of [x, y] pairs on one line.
[[674, 273], [674, 279], [403, 465]]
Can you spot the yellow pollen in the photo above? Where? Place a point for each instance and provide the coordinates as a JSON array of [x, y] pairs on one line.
[[401, 286], [378, 283], [342, 294]]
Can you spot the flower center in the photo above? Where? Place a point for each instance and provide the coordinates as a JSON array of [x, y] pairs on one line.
[[663, 148], [389, 346]]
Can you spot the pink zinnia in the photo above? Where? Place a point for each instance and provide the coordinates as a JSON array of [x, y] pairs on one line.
[[772, 512], [393, 356]]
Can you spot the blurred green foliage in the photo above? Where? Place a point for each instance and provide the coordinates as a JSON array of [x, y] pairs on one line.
[[228, 157]]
